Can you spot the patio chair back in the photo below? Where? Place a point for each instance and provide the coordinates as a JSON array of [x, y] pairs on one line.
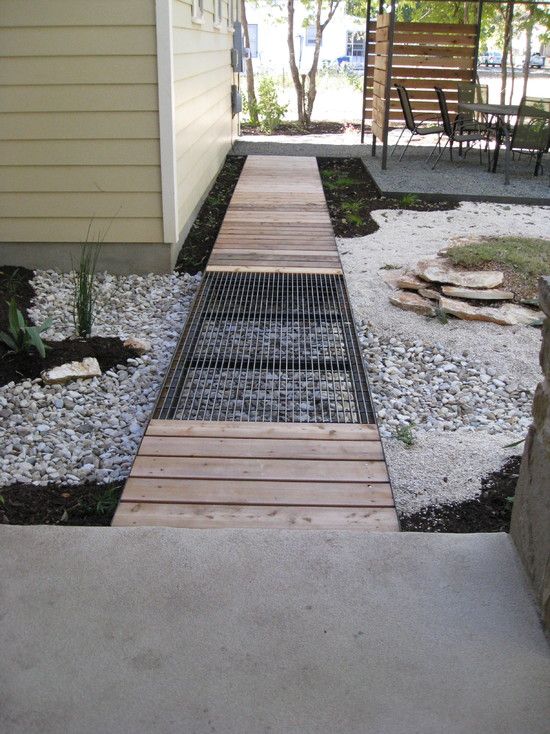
[[406, 107], [532, 129], [470, 93], [444, 109]]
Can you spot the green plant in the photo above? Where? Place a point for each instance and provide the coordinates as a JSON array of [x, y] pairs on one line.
[[84, 288], [107, 501], [22, 336], [409, 200], [389, 266], [270, 111], [13, 284], [405, 434], [352, 211], [441, 315]]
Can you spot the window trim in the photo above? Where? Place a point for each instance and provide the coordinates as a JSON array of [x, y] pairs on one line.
[[197, 11]]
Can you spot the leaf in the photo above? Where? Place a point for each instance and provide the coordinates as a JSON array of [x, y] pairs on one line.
[[7, 339], [12, 317], [45, 324], [36, 340]]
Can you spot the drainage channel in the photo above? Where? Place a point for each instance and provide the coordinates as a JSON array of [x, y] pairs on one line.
[[271, 347]]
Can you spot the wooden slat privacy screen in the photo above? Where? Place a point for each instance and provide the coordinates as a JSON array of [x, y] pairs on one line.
[[424, 55]]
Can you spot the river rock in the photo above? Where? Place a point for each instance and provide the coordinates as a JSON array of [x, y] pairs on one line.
[[478, 294], [508, 315], [441, 270], [141, 346], [412, 302], [89, 367]]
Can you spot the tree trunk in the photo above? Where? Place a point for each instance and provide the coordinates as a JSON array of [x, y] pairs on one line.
[[294, 71], [250, 91], [505, 49], [528, 47]]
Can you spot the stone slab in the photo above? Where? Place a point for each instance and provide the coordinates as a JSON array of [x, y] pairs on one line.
[[169, 631]]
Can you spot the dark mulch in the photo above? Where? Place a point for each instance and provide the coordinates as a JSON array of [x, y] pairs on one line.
[[314, 128], [352, 195], [58, 504], [14, 283], [109, 352], [199, 242], [488, 513]]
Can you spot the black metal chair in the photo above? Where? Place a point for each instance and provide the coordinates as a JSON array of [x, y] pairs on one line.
[[531, 131], [452, 130], [471, 93], [412, 125]]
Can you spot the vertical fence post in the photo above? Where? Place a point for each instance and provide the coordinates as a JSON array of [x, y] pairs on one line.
[[387, 90], [365, 71]]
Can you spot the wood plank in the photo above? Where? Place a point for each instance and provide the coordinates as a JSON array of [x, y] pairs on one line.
[[267, 269], [264, 448], [265, 469], [221, 516], [250, 429], [208, 491]]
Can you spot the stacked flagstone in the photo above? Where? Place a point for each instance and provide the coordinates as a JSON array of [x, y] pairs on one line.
[[437, 284]]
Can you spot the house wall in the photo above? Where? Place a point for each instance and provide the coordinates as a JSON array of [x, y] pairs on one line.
[[79, 130], [204, 127]]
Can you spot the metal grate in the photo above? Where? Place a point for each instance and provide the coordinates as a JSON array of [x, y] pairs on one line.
[[268, 347]]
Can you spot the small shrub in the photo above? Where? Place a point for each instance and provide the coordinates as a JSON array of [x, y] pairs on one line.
[[270, 112], [405, 434], [22, 337], [84, 289], [409, 200], [441, 315]]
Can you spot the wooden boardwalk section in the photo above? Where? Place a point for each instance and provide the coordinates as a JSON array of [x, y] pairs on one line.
[[277, 220], [211, 474], [215, 475]]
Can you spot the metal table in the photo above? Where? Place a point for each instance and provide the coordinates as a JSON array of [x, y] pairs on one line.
[[501, 112]]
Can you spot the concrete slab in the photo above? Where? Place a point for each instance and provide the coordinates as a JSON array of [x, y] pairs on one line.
[[332, 146], [162, 630], [463, 179]]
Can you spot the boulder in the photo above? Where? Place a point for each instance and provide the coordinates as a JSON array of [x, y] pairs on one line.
[[477, 294], [441, 270], [89, 367], [508, 315], [412, 302], [141, 346]]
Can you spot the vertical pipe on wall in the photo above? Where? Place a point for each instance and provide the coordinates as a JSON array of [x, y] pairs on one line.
[[365, 71]]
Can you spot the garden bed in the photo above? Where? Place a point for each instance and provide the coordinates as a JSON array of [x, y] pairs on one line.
[[352, 195], [490, 512], [294, 128], [59, 504], [199, 242]]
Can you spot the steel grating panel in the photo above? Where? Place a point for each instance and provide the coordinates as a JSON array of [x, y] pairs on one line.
[[275, 347]]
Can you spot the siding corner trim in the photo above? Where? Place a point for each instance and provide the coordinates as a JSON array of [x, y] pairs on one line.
[[165, 71]]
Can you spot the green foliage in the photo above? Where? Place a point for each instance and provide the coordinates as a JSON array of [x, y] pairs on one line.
[[405, 435], [13, 284], [389, 266], [84, 289], [22, 337], [270, 112], [352, 211], [441, 315], [530, 256], [107, 501], [409, 200]]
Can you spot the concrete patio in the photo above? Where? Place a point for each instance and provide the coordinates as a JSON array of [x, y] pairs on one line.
[[159, 630], [463, 178]]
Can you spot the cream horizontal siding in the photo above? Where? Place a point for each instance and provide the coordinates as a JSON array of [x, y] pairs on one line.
[[79, 128], [202, 101]]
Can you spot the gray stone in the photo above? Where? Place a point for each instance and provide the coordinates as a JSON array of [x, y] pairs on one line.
[[531, 512], [441, 270], [412, 302], [510, 314], [477, 294], [87, 368]]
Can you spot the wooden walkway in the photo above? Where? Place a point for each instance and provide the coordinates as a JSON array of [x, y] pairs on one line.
[[209, 474], [197, 474], [278, 220]]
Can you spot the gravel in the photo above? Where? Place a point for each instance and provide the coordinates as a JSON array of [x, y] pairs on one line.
[[90, 430], [465, 388]]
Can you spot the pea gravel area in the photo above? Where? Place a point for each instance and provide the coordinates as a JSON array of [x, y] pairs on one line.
[[463, 388], [89, 430]]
